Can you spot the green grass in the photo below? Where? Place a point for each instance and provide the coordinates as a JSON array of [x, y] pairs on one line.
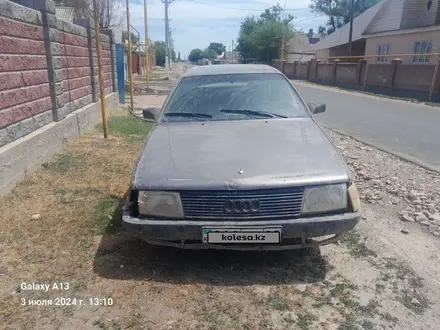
[[357, 248], [127, 125], [275, 301], [304, 321], [350, 323], [65, 162], [107, 206], [367, 325]]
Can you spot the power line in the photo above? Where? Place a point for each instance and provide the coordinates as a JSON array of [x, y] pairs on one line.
[[235, 8]]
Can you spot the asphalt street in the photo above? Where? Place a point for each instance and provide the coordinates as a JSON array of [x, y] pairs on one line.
[[407, 129]]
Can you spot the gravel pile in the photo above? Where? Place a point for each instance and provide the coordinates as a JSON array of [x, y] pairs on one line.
[[385, 179]]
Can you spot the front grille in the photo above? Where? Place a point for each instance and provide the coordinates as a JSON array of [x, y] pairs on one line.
[[279, 203]]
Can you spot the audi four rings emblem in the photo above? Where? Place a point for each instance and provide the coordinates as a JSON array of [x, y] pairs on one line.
[[241, 206]]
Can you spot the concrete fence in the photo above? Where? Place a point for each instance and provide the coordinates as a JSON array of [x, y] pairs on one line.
[[394, 78], [48, 67], [48, 82]]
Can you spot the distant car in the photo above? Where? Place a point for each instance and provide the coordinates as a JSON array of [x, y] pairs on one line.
[[236, 161]]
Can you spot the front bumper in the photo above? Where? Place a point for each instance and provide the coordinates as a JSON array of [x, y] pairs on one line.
[[188, 233]]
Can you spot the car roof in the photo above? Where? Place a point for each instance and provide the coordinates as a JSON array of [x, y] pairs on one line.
[[229, 69]]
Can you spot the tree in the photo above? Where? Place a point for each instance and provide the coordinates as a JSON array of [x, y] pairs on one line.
[[338, 12], [310, 34], [134, 40], [209, 53], [195, 55], [134, 37], [159, 47], [160, 52], [261, 37], [275, 13], [109, 11], [217, 47]]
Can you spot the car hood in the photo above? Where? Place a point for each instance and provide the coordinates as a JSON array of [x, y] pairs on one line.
[[242, 154]]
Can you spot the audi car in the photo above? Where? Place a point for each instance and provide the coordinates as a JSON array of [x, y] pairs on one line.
[[236, 160]]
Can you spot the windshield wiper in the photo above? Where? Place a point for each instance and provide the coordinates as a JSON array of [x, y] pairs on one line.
[[188, 114], [253, 113]]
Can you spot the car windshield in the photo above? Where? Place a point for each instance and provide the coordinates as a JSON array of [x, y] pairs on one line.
[[234, 97]]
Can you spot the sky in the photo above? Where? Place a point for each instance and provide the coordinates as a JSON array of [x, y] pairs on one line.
[[196, 23]]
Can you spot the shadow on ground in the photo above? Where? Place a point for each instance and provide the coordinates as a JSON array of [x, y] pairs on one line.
[[123, 256]]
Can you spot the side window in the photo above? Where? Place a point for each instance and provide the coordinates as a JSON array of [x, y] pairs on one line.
[[422, 47], [382, 50]]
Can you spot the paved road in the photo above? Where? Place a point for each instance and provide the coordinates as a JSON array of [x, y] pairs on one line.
[[410, 130]]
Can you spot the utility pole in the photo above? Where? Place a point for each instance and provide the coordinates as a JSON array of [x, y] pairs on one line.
[[147, 46], [282, 48], [130, 61], [232, 51], [350, 36], [171, 47], [171, 50], [167, 42], [100, 74]]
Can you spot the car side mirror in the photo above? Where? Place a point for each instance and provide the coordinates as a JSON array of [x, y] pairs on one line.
[[316, 108], [151, 113]]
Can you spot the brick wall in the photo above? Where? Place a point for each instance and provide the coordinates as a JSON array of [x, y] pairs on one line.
[[106, 64], [346, 72], [25, 99], [48, 67], [324, 71], [73, 52]]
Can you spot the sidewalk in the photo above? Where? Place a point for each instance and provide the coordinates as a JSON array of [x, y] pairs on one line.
[[159, 82]]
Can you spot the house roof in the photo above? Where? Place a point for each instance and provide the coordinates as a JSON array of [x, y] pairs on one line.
[[388, 17], [404, 14], [314, 40], [341, 35], [299, 43]]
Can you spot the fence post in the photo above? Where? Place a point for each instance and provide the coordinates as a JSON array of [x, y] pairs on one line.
[[308, 70], [53, 54], [395, 62], [89, 24], [360, 65], [110, 34], [435, 80], [316, 68], [365, 76], [312, 68], [335, 68]]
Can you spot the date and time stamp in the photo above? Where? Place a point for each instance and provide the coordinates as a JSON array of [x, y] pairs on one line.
[[61, 288]]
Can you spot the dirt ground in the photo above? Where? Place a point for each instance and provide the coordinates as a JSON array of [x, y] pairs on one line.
[[62, 225]]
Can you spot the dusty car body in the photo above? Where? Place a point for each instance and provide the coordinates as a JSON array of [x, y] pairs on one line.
[[243, 178]]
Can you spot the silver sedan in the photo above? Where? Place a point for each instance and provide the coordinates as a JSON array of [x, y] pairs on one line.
[[237, 161]]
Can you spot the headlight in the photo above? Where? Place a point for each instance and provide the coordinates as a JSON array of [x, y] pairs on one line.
[[160, 204], [325, 198]]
